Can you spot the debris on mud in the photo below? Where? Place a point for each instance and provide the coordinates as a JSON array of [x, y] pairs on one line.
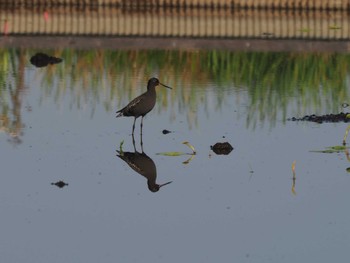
[[166, 131], [60, 184], [340, 117], [42, 60], [221, 148]]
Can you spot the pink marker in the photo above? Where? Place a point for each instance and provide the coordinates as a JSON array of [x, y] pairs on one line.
[[46, 16], [6, 28]]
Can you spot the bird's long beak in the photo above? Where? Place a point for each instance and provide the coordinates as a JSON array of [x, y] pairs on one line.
[[165, 184], [165, 86]]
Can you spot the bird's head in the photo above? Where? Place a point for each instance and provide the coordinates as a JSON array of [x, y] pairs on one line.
[[153, 82], [155, 187]]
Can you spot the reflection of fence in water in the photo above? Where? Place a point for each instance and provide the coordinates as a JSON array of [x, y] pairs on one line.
[[173, 22]]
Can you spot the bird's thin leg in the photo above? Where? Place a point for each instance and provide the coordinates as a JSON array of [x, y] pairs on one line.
[[133, 142], [141, 142], [133, 126], [141, 125]]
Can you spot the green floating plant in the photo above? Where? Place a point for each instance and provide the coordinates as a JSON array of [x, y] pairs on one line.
[[180, 153], [346, 132], [332, 149], [191, 147], [171, 153], [121, 147]]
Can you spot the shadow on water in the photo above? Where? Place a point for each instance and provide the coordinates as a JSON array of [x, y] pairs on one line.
[[141, 163]]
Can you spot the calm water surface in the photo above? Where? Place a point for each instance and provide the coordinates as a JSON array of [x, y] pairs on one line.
[[58, 123]]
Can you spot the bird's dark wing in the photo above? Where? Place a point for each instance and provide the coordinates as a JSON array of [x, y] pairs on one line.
[[128, 110]]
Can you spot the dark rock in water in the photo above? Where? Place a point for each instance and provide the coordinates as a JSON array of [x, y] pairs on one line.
[[60, 184], [340, 117], [221, 148], [166, 131], [42, 60]]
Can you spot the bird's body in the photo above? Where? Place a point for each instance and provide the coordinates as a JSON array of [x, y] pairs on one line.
[[142, 104], [143, 165], [139, 106]]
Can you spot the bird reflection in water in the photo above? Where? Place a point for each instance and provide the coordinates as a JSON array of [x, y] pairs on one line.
[[142, 164]]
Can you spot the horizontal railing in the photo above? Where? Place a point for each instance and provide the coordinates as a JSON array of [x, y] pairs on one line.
[[170, 22], [288, 4]]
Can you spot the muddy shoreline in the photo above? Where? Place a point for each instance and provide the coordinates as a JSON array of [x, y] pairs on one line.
[[148, 43]]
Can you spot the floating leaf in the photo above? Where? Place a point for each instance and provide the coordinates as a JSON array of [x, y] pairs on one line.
[[322, 151], [172, 153], [293, 166], [293, 190], [346, 132], [181, 153], [305, 30], [121, 148], [189, 159], [338, 148], [191, 147], [332, 149], [294, 178]]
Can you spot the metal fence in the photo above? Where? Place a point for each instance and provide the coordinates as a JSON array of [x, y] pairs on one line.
[[290, 4], [163, 22]]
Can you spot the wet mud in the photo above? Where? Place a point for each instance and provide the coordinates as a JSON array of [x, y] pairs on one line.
[[340, 117]]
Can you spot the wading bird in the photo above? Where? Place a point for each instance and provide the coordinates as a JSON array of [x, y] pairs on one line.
[[142, 104]]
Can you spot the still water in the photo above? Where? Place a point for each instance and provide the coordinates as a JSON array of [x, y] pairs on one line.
[[58, 123]]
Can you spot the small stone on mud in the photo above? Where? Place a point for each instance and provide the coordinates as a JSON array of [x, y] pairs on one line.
[[166, 131], [60, 184], [223, 148]]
